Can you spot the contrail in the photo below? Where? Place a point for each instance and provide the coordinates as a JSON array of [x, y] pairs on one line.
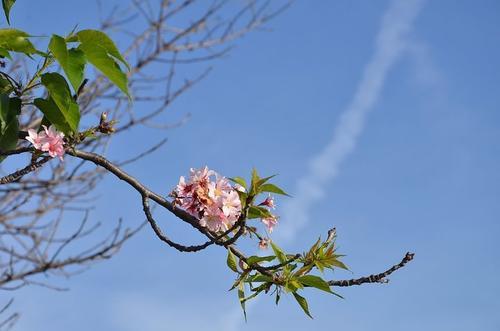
[[324, 167]]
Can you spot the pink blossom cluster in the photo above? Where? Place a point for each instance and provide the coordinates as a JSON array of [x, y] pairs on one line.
[[49, 140], [209, 197]]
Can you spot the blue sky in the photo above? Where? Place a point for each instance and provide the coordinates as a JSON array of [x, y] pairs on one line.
[[406, 95]]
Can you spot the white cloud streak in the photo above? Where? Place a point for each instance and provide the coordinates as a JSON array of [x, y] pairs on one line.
[[390, 43]]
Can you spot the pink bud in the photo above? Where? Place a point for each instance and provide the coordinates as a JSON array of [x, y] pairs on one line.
[[269, 202]]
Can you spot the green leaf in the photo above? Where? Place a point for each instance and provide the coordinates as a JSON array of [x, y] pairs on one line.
[[272, 189], [101, 52], [5, 53], [239, 180], [258, 212], [16, 41], [231, 261], [339, 264], [95, 37], [99, 58], [302, 303], [315, 281], [259, 278], [243, 198], [293, 285], [279, 253], [76, 67], [278, 297], [45, 121], [257, 259], [72, 61], [261, 181], [53, 114], [9, 126], [5, 113], [254, 181], [5, 85], [10, 108], [66, 115], [7, 5], [257, 292], [9, 137], [241, 296]]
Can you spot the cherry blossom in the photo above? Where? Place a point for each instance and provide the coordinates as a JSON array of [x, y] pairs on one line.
[[49, 140], [209, 197], [214, 219], [55, 141], [270, 222], [37, 139], [269, 202]]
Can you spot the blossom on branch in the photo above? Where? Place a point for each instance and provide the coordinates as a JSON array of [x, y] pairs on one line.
[[264, 243], [269, 202], [270, 222], [49, 140], [209, 197]]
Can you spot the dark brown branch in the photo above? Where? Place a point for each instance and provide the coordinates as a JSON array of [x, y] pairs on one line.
[[138, 186], [24, 171], [159, 233], [16, 151], [376, 278]]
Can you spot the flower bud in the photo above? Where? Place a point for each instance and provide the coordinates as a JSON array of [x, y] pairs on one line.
[[104, 117], [264, 243], [269, 202]]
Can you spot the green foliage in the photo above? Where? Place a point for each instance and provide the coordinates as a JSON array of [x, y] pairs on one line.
[[231, 261], [302, 303], [315, 281], [258, 259], [16, 41], [72, 61], [292, 274], [5, 86], [7, 5], [241, 296], [10, 108], [258, 212], [96, 48], [5, 53], [279, 253], [60, 108], [322, 256], [101, 52], [271, 188], [95, 37], [239, 180]]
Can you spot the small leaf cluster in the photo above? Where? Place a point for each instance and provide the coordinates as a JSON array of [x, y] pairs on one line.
[[290, 273], [248, 195]]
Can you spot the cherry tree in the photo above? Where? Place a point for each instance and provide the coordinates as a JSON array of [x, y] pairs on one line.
[[54, 131]]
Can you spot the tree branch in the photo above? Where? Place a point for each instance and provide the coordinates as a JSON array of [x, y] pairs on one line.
[[24, 171], [376, 278]]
